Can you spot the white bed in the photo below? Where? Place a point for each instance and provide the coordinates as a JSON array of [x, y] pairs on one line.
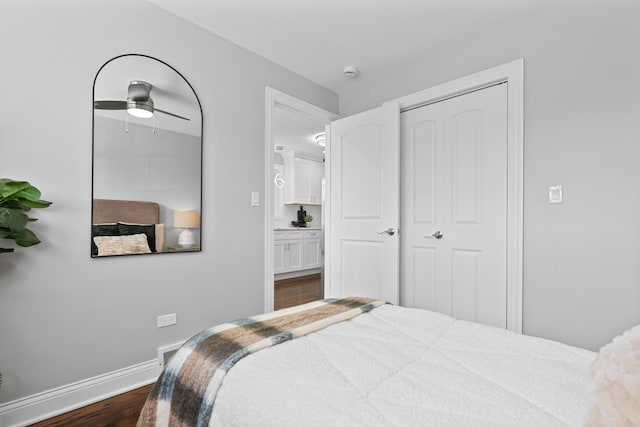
[[396, 366], [391, 366]]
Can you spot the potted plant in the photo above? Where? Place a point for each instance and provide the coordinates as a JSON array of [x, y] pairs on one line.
[[307, 220], [16, 199]]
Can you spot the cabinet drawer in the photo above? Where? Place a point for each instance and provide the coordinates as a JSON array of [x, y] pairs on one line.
[[311, 234], [284, 234]]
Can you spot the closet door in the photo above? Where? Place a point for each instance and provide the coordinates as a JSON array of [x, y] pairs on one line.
[[454, 206], [421, 257]]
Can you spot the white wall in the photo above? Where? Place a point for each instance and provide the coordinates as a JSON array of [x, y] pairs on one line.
[[582, 131], [65, 317]]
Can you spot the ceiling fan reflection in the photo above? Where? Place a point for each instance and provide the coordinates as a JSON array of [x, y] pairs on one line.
[[138, 102]]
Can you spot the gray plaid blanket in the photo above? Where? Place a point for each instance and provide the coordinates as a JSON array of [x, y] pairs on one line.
[[184, 395]]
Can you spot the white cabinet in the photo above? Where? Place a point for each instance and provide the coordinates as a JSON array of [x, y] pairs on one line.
[[308, 182], [288, 248], [296, 250], [312, 251], [304, 180], [278, 256]]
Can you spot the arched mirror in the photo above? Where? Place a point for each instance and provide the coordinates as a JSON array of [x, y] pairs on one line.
[[147, 159]]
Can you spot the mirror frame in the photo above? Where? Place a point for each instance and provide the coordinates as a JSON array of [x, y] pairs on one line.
[[93, 149]]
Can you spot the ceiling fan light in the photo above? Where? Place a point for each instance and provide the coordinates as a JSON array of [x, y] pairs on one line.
[[141, 109]]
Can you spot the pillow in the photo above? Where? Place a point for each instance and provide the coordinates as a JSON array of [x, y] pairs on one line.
[[615, 383], [102, 230], [149, 230], [122, 245], [159, 237]]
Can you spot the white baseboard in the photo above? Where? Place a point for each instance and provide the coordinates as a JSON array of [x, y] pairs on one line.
[[50, 403]]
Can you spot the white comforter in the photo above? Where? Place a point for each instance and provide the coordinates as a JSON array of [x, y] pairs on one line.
[[406, 367]]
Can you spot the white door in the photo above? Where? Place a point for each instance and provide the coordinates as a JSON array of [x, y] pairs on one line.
[[454, 206], [364, 202]]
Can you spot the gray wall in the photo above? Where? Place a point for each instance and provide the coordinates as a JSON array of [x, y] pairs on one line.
[[65, 317], [582, 116]]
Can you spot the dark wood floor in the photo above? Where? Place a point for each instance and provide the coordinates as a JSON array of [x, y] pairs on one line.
[[123, 410], [299, 290], [118, 411]]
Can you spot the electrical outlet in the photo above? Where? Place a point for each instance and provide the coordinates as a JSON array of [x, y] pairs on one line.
[[167, 320]]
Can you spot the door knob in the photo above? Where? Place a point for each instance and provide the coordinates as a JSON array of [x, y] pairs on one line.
[[436, 235], [390, 231]]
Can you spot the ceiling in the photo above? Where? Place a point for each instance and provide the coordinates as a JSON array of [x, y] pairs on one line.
[[296, 132], [317, 39]]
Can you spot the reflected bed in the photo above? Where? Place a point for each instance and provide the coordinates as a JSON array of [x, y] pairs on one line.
[[124, 227]]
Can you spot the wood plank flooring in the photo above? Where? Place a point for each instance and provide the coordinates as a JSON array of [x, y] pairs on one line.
[[118, 411], [298, 290]]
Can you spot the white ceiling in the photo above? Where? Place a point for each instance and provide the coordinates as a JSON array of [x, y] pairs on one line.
[[296, 132], [317, 38]]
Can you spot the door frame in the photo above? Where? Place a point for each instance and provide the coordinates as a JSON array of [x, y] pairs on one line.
[[513, 74], [277, 99]]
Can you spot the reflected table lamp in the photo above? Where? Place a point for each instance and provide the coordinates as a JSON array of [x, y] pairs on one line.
[[186, 220]]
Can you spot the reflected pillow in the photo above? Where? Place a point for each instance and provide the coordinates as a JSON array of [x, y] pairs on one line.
[[149, 230], [102, 230], [159, 237], [122, 245]]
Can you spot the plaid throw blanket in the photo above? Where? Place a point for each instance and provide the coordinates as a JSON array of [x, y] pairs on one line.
[[185, 393]]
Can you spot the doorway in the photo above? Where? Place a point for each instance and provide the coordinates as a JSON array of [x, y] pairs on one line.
[[294, 241], [511, 73]]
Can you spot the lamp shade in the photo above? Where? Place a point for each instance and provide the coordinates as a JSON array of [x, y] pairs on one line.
[[186, 219]]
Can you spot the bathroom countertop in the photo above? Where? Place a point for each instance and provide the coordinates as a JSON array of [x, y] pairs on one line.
[[296, 228]]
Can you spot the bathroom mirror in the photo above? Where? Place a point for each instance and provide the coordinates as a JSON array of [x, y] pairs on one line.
[[147, 159]]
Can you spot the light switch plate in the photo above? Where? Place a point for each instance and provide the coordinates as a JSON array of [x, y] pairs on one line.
[[255, 198], [555, 194]]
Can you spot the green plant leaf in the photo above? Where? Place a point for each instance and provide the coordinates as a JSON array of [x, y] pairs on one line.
[[17, 198], [40, 204], [17, 189], [13, 204], [13, 219], [26, 238]]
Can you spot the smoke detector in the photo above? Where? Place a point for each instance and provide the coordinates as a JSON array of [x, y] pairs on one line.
[[350, 72]]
